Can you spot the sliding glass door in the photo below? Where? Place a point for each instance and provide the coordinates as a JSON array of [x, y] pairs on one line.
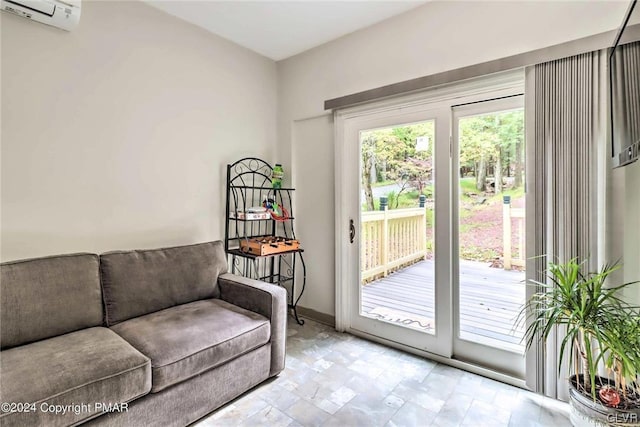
[[431, 256]]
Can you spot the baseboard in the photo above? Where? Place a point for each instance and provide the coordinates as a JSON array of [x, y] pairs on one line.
[[325, 319]]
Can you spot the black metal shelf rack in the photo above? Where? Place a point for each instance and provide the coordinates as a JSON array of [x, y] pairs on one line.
[[248, 184]]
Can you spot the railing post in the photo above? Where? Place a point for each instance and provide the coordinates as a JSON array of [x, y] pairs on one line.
[[385, 234], [423, 225], [520, 239], [506, 231], [384, 202]]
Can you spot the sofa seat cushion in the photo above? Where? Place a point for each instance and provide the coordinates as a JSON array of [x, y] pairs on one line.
[[88, 366], [188, 339]]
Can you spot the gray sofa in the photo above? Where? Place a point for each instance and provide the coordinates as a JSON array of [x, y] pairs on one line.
[[155, 337]]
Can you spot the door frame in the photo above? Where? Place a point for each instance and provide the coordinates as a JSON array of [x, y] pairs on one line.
[[501, 84]]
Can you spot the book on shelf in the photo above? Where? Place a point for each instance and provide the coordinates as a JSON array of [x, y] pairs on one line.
[[251, 216]]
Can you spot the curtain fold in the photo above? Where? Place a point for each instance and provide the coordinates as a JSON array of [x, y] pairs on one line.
[[565, 136]]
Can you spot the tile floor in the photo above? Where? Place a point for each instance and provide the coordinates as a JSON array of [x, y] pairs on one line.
[[334, 379]]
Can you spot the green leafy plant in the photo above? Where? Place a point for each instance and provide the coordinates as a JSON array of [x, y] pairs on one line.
[[620, 352], [602, 330], [392, 200]]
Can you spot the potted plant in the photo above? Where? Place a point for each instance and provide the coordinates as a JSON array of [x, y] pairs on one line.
[[602, 342]]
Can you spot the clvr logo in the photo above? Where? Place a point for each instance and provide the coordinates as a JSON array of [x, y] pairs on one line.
[[622, 418]]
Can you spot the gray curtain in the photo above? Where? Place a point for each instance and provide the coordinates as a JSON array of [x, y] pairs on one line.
[[566, 133]]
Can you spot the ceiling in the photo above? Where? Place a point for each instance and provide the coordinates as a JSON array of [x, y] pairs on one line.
[[280, 29]]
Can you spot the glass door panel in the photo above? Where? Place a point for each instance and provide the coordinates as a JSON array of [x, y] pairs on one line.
[[489, 276], [397, 280], [397, 292]]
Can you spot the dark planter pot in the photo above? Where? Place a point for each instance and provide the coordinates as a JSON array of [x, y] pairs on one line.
[[585, 412]]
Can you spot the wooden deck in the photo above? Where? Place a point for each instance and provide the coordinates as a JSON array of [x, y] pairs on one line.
[[490, 299]]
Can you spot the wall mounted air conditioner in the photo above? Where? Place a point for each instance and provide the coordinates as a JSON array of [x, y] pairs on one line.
[[61, 14]]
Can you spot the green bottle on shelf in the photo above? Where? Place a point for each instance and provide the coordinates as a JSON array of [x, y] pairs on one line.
[[277, 175]]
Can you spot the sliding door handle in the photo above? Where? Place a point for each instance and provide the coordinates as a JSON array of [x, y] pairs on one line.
[[352, 231]]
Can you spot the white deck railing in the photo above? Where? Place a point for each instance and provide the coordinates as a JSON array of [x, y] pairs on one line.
[[391, 239], [394, 238], [509, 213]]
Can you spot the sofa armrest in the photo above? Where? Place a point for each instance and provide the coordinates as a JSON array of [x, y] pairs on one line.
[[263, 298]]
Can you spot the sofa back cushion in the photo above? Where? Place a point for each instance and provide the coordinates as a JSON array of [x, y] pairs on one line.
[[141, 282], [45, 297]]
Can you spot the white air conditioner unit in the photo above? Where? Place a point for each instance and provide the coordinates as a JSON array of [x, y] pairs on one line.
[[61, 14]]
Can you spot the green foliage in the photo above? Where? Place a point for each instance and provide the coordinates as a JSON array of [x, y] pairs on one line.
[[467, 185], [383, 183], [515, 193], [487, 142], [427, 190], [492, 143], [600, 327], [403, 200], [430, 217], [478, 137], [394, 155], [475, 253], [620, 351], [489, 135], [392, 200]]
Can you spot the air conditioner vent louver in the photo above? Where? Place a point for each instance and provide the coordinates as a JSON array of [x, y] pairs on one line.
[[64, 15]]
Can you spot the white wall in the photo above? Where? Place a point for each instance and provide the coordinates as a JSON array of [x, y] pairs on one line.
[[315, 225], [116, 135], [631, 257], [436, 37]]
